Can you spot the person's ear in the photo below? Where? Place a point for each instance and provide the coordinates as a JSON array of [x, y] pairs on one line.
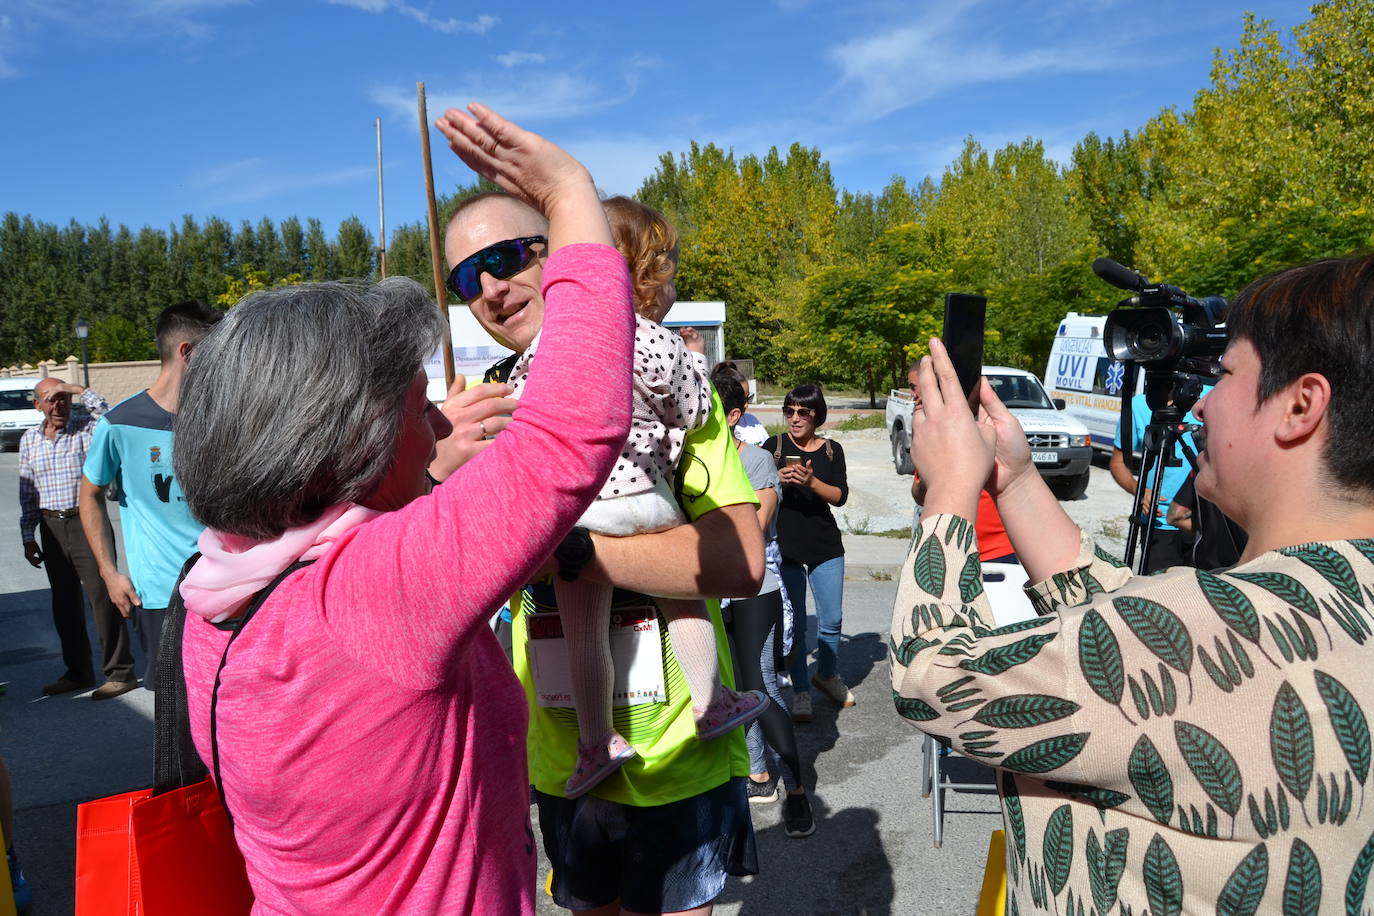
[[184, 351], [1305, 402]]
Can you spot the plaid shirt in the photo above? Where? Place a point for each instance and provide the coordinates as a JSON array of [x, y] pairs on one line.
[[50, 469]]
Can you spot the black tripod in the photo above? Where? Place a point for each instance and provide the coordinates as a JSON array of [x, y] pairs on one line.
[[1170, 394]]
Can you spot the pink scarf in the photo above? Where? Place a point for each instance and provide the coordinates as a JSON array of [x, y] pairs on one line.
[[233, 569]]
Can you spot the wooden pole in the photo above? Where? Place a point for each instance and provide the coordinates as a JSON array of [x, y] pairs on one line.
[[381, 204], [435, 249]]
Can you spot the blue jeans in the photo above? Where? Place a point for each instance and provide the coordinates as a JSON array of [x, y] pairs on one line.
[[827, 587]]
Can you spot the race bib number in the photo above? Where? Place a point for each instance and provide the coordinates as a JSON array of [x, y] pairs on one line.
[[636, 650]]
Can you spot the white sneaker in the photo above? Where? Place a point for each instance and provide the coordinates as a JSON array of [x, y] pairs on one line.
[[801, 707]]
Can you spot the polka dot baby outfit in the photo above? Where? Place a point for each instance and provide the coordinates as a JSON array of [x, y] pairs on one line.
[[672, 397]]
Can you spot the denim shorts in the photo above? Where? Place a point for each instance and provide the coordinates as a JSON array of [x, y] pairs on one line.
[[655, 859]]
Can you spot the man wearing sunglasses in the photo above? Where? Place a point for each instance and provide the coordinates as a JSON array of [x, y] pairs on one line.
[[662, 833]]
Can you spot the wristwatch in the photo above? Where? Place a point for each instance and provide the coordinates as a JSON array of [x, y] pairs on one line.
[[573, 553]]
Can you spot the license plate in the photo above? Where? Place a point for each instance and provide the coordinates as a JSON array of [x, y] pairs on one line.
[[1044, 457]]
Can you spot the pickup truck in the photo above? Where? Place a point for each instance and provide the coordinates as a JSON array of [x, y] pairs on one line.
[[1058, 442]]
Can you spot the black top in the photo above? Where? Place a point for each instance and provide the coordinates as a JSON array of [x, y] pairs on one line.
[[1218, 542], [807, 532]]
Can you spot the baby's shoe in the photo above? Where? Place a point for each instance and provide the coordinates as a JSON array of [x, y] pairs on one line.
[[596, 761], [729, 710]]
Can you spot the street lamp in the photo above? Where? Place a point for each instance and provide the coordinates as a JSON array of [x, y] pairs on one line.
[[83, 330]]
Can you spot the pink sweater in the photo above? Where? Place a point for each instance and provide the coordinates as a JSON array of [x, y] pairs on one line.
[[371, 731]]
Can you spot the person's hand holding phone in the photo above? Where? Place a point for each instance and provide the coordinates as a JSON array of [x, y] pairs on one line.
[[796, 472], [953, 452]]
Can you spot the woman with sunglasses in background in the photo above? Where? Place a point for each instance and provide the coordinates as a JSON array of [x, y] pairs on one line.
[[813, 477]]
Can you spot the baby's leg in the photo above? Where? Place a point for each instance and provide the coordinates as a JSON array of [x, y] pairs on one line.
[[694, 644], [585, 608], [716, 708]]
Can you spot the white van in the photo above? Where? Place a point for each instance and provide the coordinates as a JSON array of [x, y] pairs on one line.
[[17, 413], [1088, 380]]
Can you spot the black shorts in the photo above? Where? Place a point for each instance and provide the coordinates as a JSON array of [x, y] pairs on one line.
[[655, 859]]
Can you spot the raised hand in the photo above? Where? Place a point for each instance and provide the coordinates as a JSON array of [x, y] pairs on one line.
[[1011, 452], [953, 452], [530, 167]]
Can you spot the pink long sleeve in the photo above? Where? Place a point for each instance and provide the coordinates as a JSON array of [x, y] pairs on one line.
[[452, 558], [371, 731]]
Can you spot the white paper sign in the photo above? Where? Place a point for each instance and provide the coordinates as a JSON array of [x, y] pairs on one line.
[[636, 650]]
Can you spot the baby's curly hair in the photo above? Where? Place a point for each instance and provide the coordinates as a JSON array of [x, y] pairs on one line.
[[648, 242]]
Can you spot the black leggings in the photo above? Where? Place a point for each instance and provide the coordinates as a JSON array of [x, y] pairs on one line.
[[752, 619]]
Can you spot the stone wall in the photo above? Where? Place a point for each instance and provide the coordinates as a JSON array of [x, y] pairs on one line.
[[116, 381]]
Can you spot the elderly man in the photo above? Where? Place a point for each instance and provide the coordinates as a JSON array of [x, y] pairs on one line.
[[1187, 741], [661, 834], [134, 442], [50, 460]]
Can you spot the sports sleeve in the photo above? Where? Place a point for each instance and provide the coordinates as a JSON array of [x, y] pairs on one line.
[[102, 459], [710, 474]]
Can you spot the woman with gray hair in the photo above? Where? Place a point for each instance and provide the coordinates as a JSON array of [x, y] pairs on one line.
[[366, 727]]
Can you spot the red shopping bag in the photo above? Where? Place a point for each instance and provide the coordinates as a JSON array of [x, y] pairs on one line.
[[158, 855]]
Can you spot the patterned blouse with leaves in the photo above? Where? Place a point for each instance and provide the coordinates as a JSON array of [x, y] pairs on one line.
[[1181, 743]]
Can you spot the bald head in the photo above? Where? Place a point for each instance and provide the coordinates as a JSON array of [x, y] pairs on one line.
[[52, 399], [510, 309]]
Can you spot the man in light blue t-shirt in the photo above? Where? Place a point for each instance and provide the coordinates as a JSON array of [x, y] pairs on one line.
[[133, 443], [1168, 545]]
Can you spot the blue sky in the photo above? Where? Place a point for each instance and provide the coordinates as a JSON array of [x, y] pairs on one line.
[[144, 110]]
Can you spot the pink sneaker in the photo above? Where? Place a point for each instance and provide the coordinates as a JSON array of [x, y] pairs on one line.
[[729, 711], [597, 761]]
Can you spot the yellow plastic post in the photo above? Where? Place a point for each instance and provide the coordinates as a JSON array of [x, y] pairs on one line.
[[548, 885], [6, 892], [992, 899]]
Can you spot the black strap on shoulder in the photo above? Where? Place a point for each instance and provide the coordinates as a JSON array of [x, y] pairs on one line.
[[175, 760]]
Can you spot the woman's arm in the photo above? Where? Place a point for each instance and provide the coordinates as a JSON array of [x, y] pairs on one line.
[[409, 586]]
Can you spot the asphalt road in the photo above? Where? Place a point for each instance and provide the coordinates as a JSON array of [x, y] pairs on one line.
[[872, 851]]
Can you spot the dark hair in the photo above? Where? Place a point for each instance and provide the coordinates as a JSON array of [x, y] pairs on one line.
[[187, 322], [1319, 318], [727, 369], [732, 396], [807, 396]]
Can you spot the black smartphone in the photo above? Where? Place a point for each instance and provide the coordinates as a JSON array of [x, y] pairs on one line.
[[965, 317]]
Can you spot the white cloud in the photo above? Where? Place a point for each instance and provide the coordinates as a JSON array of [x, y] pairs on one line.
[[27, 24], [257, 178], [450, 26], [518, 58], [899, 67]]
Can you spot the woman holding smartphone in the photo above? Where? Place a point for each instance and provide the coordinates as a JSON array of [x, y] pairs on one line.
[[813, 477]]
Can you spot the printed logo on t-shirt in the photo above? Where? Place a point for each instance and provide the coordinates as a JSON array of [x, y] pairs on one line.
[[154, 453]]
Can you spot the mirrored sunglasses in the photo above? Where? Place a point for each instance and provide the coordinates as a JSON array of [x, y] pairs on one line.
[[502, 260]]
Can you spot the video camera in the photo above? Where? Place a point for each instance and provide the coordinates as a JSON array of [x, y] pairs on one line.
[[1176, 339], [1161, 326]]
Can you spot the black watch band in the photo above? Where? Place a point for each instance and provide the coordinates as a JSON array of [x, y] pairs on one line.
[[573, 553]]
